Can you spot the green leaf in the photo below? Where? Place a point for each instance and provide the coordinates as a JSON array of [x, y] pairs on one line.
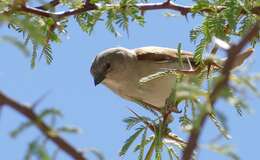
[[23, 126], [172, 153], [47, 52], [220, 127], [34, 54], [38, 150], [147, 141], [195, 33], [189, 91], [142, 145], [159, 132], [247, 82], [5, 5], [129, 141], [226, 150], [199, 51], [54, 37], [216, 27], [246, 23], [132, 121], [88, 20], [97, 153], [200, 5], [75, 4], [185, 122], [42, 153], [69, 129], [175, 141], [232, 12], [31, 149], [20, 45], [149, 153], [157, 75], [233, 100], [180, 59], [122, 21], [50, 111], [111, 16]]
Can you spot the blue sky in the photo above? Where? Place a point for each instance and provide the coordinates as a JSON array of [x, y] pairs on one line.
[[97, 110]]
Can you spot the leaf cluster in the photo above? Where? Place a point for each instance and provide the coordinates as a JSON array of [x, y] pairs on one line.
[[37, 32], [42, 31], [224, 20], [153, 145]]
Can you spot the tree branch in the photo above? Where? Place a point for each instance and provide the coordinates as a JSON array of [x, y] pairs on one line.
[[44, 128], [233, 53], [88, 7], [41, 10], [165, 5]]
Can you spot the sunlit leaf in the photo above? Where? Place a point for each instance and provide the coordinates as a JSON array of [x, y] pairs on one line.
[[129, 141], [226, 150], [142, 145], [220, 127]]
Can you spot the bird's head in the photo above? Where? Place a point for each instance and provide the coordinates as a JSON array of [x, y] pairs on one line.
[[108, 62]]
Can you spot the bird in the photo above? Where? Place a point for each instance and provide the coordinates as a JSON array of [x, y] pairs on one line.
[[121, 69]]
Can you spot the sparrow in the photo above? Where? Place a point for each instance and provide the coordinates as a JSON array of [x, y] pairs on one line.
[[121, 69]]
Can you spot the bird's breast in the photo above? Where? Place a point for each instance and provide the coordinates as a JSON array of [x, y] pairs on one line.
[[154, 92]]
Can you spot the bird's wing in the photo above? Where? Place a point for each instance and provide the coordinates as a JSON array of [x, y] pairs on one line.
[[167, 55], [161, 54]]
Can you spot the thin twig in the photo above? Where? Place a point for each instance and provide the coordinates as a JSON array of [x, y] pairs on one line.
[[233, 52], [44, 128]]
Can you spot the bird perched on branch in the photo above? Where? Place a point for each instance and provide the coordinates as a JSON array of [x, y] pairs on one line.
[[121, 69]]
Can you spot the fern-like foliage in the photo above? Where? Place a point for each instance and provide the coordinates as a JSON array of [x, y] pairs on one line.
[[224, 20], [39, 31]]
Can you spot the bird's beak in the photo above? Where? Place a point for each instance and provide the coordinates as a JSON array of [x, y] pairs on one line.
[[98, 79]]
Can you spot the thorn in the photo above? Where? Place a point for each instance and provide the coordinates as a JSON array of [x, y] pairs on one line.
[[168, 2], [39, 100], [186, 16], [1, 110], [191, 68], [142, 12]]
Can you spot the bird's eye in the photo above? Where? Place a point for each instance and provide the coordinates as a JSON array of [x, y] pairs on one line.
[[107, 66]]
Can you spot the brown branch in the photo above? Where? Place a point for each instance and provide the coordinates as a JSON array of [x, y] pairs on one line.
[[233, 53], [56, 15], [41, 10], [165, 5], [88, 7], [44, 128]]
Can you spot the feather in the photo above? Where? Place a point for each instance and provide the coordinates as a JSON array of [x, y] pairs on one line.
[[160, 54]]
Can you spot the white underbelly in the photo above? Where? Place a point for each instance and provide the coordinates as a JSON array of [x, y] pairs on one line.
[[153, 92]]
